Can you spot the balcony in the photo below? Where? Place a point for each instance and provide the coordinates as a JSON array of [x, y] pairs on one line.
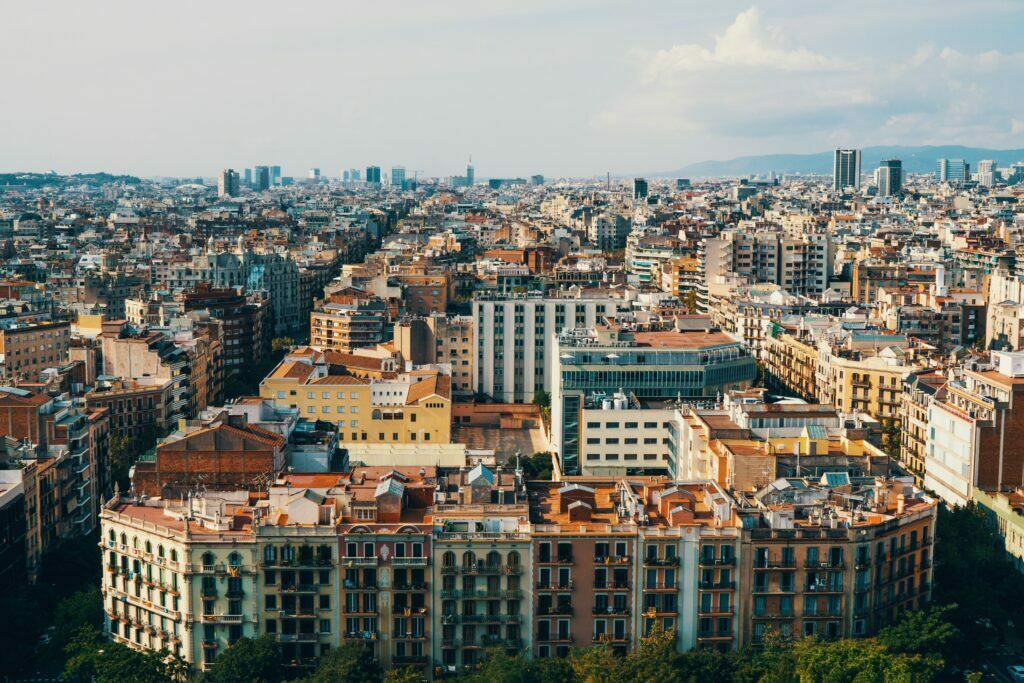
[[549, 610], [410, 561], [359, 609], [706, 561], [715, 611], [208, 591], [661, 562], [562, 559], [661, 587], [489, 569], [297, 637], [775, 564], [359, 561], [554, 638], [611, 638], [554, 586], [481, 594], [812, 564], [409, 659], [612, 559], [609, 609], [416, 586], [361, 635]]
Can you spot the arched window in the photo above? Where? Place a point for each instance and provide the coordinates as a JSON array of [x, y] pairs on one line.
[[270, 554], [512, 559], [112, 536], [208, 560], [124, 539], [287, 553], [174, 555], [494, 559], [159, 551], [468, 559], [235, 560], [135, 542], [149, 548], [448, 560]]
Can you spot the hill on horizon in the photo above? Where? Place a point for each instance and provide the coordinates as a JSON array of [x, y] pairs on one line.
[[920, 159]]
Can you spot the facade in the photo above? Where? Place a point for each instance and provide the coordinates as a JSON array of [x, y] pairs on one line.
[[347, 326], [227, 183], [846, 169], [973, 429], [29, 348], [440, 339], [431, 569], [593, 364], [412, 407], [890, 178], [514, 341], [1005, 511]]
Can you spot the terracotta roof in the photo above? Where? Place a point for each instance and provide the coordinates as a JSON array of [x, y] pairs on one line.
[[292, 370], [340, 379], [439, 385]]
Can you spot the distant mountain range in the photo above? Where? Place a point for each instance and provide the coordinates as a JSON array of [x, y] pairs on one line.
[[922, 159]]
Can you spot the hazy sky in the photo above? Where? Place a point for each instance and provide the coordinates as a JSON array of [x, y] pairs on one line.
[[559, 87]]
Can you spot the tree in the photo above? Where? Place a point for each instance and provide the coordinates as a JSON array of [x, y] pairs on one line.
[[690, 302], [353, 662], [281, 345], [974, 577], [84, 608], [122, 457], [854, 660], [537, 466], [655, 658], [256, 660], [597, 664], [91, 659], [405, 674], [926, 632]]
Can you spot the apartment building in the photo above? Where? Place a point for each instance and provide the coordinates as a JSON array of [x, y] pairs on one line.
[[690, 361], [151, 357], [919, 390], [482, 569], [790, 361], [430, 569], [744, 443], [514, 340], [61, 453], [440, 339], [1005, 510], [336, 326], [973, 428], [622, 436], [814, 564], [246, 327], [28, 348], [137, 408], [408, 407], [802, 263]]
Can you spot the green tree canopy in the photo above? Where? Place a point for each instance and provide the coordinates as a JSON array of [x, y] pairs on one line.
[[258, 661], [353, 662]]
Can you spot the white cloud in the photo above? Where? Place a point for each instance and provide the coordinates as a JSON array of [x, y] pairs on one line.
[[747, 42], [754, 88]]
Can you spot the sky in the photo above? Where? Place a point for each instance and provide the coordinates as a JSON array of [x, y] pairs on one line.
[[558, 87]]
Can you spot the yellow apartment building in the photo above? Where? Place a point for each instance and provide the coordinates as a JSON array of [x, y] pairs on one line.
[[408, 407]]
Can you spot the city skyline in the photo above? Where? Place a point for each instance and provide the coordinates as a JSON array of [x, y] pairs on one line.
[[353, 86]]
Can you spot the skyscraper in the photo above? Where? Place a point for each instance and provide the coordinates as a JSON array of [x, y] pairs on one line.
[[314, 175], [354, 175], [373, 175], [470, 174], [639, 188], [953, 171], [275, 175], [846, 169], [248, 176], [262, 178], [227, 183], [398, 176], [987, 174], [890, 178]]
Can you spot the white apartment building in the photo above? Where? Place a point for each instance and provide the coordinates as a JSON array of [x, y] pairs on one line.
[[513, 337]]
